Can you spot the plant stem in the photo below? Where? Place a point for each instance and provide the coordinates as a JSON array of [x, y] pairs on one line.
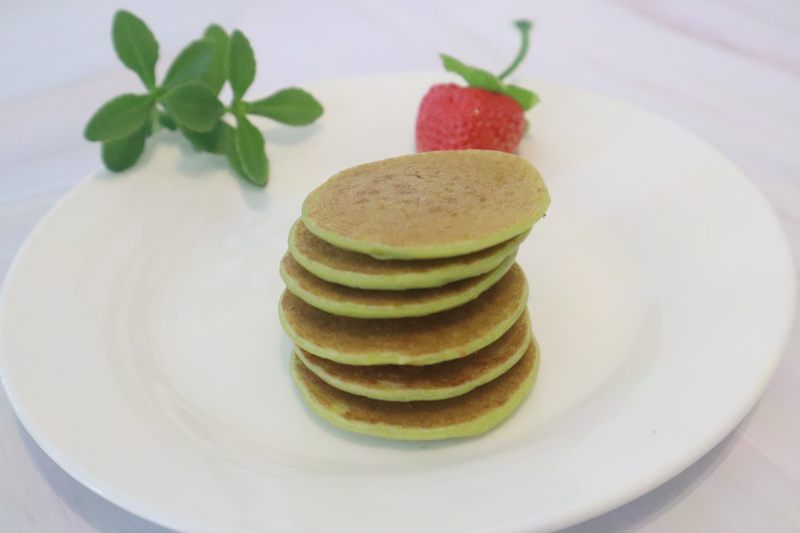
[[524, 27], [155, 125]]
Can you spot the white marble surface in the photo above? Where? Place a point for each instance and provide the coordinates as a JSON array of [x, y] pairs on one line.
[[730, 71]]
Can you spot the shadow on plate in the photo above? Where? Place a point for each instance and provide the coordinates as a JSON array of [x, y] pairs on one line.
[[288, 135], [634, 515], [94, 510]]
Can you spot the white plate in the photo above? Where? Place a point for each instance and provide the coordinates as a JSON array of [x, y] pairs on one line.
[[140, 346]]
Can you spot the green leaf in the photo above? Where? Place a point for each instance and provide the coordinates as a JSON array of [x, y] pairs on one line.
[[193, 106], [291, 106], [136, 46], [231, 154], [251, 151], [483, 79], [217, 73], [193, 63], [241, 64], [121, 154], [475, 77], [212, 141], [525, 98], [119, 117], [166, 121]]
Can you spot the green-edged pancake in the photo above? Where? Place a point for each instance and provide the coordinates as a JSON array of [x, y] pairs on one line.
[[404, 383], [361, 271], [427, 205], [424, 340], [473, 413], [363, 303]]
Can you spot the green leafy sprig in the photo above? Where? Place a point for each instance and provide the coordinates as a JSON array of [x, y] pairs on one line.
[[187, 100], [483, 79]]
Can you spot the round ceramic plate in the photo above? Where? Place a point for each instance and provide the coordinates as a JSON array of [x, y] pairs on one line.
[[140, 345]]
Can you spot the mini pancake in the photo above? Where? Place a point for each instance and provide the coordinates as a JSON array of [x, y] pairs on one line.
[[424, 340], [404, 383], [427, 205], [473, 413], [362, 303], [361, 271]]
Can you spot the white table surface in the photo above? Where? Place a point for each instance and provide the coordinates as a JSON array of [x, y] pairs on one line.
[[730, 71]]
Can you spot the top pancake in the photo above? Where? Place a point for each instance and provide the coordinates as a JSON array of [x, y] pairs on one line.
[[428, 205]]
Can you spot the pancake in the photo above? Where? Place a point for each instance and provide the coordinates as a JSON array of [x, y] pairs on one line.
[[361, 271], [362, 303], [427, 205], [407, 341], [403, 383], [473, 413]]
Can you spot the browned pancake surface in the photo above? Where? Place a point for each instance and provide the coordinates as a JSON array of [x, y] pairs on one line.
[[448, 374], [332, 291], [428, 199], [421, 414], [319, 251], [414, 336]]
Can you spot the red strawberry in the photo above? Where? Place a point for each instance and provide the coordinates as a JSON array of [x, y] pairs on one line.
[[454, 118], [487, 115]]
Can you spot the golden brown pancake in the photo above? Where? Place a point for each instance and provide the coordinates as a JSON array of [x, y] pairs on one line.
[[362, 303], [470, 414], [427, 205], [361, 271], [416, 341], [403, 383]]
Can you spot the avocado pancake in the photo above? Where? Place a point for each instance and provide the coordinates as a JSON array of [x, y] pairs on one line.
[[361, 271], [424, 340], [403, 383], [469, 414], [427, 205], [362, 303]]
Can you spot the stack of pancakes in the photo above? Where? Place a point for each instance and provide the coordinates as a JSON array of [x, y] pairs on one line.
[[407, 310]]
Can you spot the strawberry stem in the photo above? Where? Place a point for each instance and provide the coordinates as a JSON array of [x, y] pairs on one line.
[[524, 27]]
